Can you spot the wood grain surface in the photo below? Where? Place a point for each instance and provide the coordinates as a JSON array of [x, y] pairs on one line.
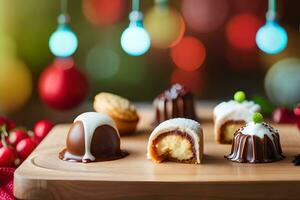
[[44, 176]]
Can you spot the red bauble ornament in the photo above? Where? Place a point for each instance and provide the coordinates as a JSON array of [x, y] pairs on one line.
[[62, 86]]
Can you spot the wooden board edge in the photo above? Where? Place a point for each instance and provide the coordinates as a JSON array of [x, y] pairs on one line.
[[54, 189]]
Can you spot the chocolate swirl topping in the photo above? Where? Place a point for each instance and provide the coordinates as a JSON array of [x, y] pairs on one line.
[[177, 101], [254, 149]]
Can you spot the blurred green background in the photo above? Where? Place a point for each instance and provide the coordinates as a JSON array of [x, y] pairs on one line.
[[225, 69]]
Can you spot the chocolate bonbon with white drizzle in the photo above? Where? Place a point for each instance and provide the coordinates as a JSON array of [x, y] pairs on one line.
[[92, 137]]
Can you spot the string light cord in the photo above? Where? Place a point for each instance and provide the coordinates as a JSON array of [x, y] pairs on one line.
[[136, 5], [161, 3], [271, 13], [136, 15], [63, 18], [64, 6]]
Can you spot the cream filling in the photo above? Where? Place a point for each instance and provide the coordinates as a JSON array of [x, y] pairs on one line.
[[230, 130], [174, 146], [188, 126]]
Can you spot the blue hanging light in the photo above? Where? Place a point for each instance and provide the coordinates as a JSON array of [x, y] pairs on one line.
[[271, 38], [135, 40], [63, 42]]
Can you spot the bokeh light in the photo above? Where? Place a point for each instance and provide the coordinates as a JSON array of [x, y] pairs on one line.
[[7, 46], [132, 71], [256, 7], [63, 42], [241, 31], [205, 15], [102, 63], [193, 80], [189, 54], [282, 82], [165, 25], [135, 40], [292, 49], [240, 61], [15, 85], [104, 12], [271, 38]]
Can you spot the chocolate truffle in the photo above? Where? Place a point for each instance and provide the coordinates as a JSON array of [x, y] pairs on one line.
[[92, 137], [230, 116], [256, 142], [178, 139], [177, 101]]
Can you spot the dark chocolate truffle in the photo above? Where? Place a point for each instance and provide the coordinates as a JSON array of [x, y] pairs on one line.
[[92, 137], [176, 101], [256, 143]]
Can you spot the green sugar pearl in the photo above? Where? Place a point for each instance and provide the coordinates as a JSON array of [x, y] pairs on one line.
[[257, 118], [240, 96]]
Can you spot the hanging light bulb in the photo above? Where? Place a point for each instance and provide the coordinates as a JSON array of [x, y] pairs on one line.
[[135, 40], [63, 42], [271, 38], [165, 25]]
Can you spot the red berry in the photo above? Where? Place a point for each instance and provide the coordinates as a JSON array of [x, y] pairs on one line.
[[298, 125], [42, 128], [284, 115], [2, 121], [8, 122], [25, 147], [7, 157], [36, 140], [297, 110], [16, 135]]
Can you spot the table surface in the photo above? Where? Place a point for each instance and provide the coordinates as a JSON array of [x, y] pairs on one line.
[[43, 175]]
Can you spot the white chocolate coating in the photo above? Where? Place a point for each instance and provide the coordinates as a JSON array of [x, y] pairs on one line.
[[235, 111], [90, 121], [188, 126], [259, 130]]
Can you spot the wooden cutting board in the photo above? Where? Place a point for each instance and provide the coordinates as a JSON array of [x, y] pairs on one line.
[[44, 176]]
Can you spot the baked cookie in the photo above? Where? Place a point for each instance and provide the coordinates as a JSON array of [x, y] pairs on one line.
[[119, 109]]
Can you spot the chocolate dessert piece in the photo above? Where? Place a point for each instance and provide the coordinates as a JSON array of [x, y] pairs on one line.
[[256, 142], [92, 137], [178, 139], [177, 101], [230, 116], [296, 160]]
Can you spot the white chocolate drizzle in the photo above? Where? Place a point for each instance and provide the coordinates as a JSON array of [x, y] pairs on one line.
[[259, 130], [235, 111]]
